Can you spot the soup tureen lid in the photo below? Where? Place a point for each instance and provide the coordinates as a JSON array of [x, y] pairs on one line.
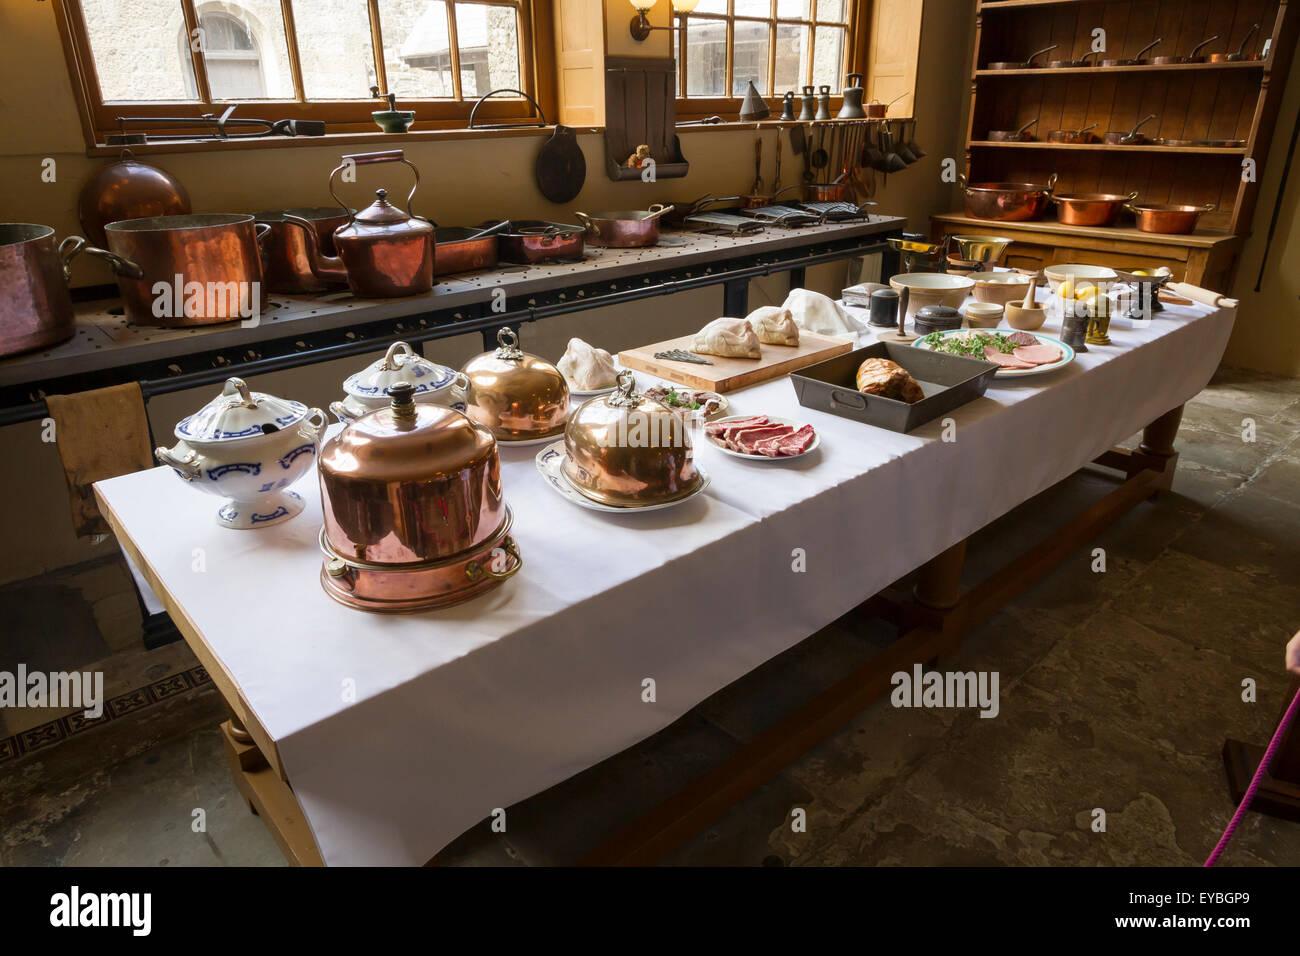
[[239, 413], [400, 364]]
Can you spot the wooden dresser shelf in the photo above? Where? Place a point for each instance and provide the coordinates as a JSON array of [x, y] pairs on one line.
[[1201, 239], [1135, 68], [1149, 148]]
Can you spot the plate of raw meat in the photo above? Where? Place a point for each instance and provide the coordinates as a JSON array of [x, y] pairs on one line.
[[762, 437], [1019, 354]]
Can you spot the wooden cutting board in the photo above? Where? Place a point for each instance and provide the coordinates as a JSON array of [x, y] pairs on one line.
[[729, 374]]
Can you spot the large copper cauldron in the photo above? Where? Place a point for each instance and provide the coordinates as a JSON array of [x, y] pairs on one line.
[[414, 514], [286, 260], [207, 263], [516, 396], [35, 309]]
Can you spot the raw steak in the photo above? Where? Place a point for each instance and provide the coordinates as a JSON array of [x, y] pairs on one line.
[[1037, 354], [723, 430], [797, 443], [747, 439]]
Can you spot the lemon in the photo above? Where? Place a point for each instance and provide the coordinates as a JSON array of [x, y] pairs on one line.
[[1140, 272], [1086, 293], [1066, 289]]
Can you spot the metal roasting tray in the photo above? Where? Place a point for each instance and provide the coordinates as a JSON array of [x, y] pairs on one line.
[[836, 211], [791, 217], [728, 223], [947, 380]]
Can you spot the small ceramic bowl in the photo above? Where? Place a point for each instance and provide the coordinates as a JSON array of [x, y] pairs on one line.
[[983, 315], [1000, 287], [1025, 320], [931, 288]]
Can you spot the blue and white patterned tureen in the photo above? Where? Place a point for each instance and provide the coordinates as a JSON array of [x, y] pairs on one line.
[[367, 390], [247, 447]]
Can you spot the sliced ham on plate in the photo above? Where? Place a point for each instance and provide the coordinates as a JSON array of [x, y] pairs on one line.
[[1005, 359], [1022, 338], [1040, 354]]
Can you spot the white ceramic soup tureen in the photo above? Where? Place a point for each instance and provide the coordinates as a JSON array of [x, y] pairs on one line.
[[247, 447], [367, 390]]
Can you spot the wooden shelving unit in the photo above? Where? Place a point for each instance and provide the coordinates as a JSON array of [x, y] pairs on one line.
[[1231, 100]]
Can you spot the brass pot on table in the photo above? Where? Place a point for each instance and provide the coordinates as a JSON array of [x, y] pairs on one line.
[[208, 264], [36, 308], [383, 252], [629, 451], [414, 513], [286, 258], [516, 396]]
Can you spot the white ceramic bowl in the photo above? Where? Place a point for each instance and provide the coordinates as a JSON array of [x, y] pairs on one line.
[[1000, 287], [1077, 271], [932, 288], [983, 315]]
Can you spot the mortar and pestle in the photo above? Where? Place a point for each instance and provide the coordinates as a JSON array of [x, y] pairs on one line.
[[1027, 316]]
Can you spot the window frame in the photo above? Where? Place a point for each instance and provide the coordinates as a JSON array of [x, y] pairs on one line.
[[98, 118], [857, 17]]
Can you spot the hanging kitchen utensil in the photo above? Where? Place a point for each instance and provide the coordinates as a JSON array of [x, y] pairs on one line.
[[1118, 137], [894, 163], [757, 188], [1072, 136], [1190, 58], [851, 107], [1021, 135], [1136, 59], [787, 107], [1226, 57], [215, 127], [917, 151], [872, 156], [1072, 64], [128, 189], [776, 179], [820, 157], [1023, 64], [560, 167], [753, 108]]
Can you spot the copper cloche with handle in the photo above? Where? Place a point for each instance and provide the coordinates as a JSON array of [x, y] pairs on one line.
[[628, 451], [517, 396]]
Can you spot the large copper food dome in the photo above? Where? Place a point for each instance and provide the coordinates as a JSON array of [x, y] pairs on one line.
[[629, 451], [517, 396], [414, 513]]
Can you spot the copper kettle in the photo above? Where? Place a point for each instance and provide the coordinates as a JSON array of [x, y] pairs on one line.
[[383, 252]]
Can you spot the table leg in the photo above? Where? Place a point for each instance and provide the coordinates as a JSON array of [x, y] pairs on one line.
[[797, 278], [1279, 791], [938, 585], [1158, 443], [735, 298]]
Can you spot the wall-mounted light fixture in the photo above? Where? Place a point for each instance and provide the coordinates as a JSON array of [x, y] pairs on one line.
[[641, 27]]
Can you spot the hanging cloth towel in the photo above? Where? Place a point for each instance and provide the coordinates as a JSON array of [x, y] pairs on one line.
[[100, 434]]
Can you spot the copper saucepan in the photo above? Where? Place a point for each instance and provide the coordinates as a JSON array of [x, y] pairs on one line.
[[1083, 135], [1090, 209], [1021, 135], [1169, 218], [1118, 137], [1135, 59], [625, 228], [1071, 64], [1190, 58], [36, 309], [1024, 64], [215, 253], [1226, 57]]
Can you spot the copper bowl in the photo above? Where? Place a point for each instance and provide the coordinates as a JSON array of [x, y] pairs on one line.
[[1168, 218], [628, 451], [1090, 209], [516, 396], [1006, 202]]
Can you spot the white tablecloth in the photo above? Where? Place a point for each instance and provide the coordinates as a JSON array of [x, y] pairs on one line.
[[461, 711]]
